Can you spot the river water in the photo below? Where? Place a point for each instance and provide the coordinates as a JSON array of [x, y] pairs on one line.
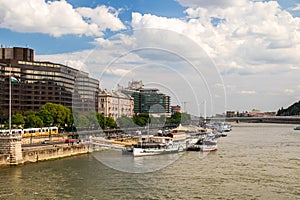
[[255, 161]]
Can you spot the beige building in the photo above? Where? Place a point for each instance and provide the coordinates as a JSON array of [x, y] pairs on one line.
[[115, 104]]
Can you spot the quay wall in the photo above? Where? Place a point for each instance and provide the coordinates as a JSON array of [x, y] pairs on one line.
[[48, 152], [35, 154], [4, 159]]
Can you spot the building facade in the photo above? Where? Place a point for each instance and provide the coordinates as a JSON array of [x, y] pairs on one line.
[[115, 104], [42, 82], [175, 109], [147, 100]]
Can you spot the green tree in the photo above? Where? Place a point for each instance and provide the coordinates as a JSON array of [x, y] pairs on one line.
[[154, 120], [110, 122], [101, 120], [82, 122], [60, 114], [92, 119], [178, 118], [32, 120], [18, 120], [291, 110], [185, 118], [174, 119], [125, 122], [46, 117], [106, 122], [142, 119]]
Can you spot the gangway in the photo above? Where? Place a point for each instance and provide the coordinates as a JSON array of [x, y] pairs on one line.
[[109, 143]]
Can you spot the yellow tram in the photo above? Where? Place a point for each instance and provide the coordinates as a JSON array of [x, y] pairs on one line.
[[33, 132]]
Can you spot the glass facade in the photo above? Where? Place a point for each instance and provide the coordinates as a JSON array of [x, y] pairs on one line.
[[149, 100], [42, 82]]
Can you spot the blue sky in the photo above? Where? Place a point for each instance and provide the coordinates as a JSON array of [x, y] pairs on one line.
[[244, 54], [46, 44]]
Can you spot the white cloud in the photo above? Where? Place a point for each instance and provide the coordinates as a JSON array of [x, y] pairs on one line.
[[297, 8], [104, 17], [289, 91], [118, 72], [57, 18], [211, 3], [294, 68], [248, 92], [254, 44], [78, 64], [103, 42], [250, 37]]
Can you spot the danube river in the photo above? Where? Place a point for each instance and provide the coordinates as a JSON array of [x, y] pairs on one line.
[[255, 161]]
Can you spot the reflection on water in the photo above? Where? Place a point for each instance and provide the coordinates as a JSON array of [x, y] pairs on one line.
[[127, 163], [255, 161]]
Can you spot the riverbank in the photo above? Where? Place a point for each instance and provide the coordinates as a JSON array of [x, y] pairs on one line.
[[48, 152]]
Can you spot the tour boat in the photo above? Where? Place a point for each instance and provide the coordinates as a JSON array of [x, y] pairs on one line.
[[156, 145]]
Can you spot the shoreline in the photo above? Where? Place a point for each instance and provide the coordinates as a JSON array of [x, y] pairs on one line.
[[50, 152], [46, 153]]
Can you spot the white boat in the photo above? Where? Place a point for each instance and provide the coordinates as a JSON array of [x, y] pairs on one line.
[[223, 127], [156, 145], [209, 145], [127, 150], [179, 139]]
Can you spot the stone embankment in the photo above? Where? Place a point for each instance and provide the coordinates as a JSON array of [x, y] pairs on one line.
[[34, 154], [47, 152], [15, 150]]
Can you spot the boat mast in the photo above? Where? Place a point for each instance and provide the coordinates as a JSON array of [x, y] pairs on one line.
[[204, 111]]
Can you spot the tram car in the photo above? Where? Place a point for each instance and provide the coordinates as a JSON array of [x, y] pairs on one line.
[[33, 132]]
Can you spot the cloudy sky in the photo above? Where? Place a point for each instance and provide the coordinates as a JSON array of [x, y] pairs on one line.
[[218, 54]]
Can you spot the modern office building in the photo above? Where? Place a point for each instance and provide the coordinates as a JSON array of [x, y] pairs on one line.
[[85, 96], [41, 82], [147, 100], [115, 104]]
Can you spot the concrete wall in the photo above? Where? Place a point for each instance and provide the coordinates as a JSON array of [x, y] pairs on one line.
[[4, 159], [11, 145], [35, 154]]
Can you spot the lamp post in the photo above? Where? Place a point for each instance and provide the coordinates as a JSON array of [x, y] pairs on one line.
[[9, 118]]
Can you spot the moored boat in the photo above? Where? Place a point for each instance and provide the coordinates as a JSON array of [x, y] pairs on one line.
[[222, 127], [209, 145], [297, 128], [156, 145], [127, 150]]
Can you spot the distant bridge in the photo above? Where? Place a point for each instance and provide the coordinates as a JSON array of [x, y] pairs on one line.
[[270, 119]]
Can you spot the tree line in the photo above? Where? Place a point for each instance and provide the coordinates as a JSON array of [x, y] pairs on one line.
[[290, 111], [143, 119], [51, 114]]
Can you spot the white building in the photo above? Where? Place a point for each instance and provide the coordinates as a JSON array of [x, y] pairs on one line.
[[115, 104]]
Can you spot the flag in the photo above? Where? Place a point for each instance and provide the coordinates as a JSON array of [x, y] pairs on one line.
[[13, 79]]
